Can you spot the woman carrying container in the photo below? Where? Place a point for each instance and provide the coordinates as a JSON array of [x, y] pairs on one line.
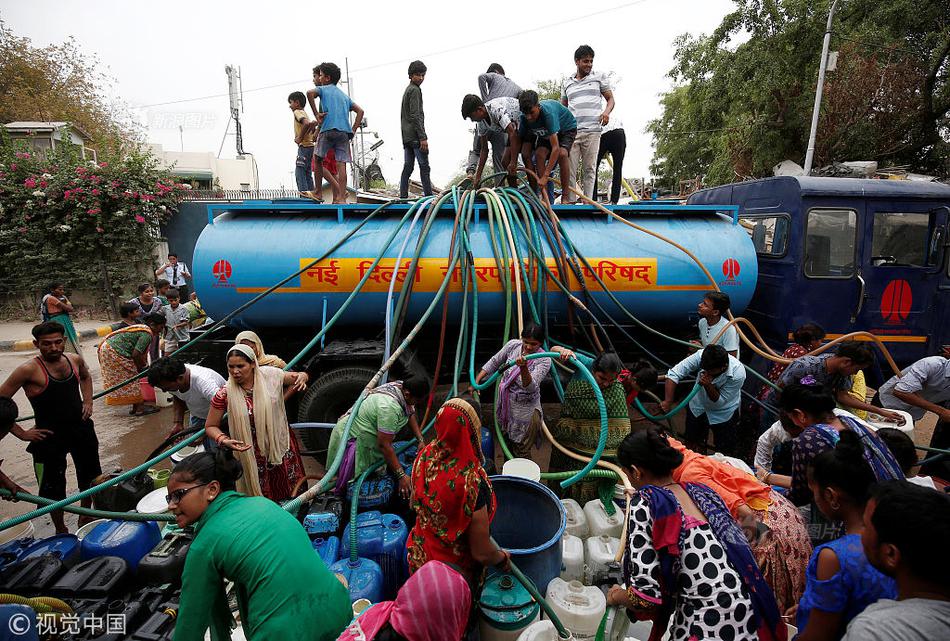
[[381, 416], [122, 355], [781, 547], [578, 428], [433, 605], [519, 394], [284, 590], [257, 421], [453, 498], [686, 563], [253, 341]]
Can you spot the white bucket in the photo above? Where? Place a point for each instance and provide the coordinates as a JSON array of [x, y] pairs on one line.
[[877, 422], [579, 608], [162, 399], [572, 558], [523, 467], [88, 527], [600, 523], [539, 631], [185, 452], [22, 531], [153, 503], [599, 553], [576, 519]]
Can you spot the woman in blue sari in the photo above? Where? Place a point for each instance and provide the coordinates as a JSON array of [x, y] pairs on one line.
[[687, 564]]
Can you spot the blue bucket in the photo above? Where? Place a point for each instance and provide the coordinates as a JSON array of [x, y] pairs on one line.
[[536, 550]]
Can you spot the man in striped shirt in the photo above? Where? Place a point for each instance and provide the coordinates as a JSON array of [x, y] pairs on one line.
[[582, 93]]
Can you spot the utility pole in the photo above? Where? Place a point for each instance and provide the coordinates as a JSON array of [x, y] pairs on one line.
[[236, 98], [822, 66]]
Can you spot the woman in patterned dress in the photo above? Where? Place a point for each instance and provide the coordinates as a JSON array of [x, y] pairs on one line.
[[452, 497], [257, 422], [687, 564], [122, 355]]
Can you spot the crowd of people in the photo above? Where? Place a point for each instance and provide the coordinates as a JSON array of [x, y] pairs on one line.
[[838, 535], [572, 134]]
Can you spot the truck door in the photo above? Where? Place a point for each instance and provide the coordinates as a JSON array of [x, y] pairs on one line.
[[832, 290], [941, 327], [903, 268]]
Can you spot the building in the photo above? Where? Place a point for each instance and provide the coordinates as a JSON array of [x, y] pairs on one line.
[[43, 136], [204, 171]]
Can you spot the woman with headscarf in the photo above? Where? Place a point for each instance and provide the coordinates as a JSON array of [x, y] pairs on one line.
[[433, 605], [283, 590], [687, 564], [124, 354], [782, 546], [452, 497], [253, 341], [578, 428], [257, 421]]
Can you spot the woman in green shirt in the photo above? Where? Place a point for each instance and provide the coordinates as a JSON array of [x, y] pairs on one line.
[[284, 590], [122, 355], [382, 414]]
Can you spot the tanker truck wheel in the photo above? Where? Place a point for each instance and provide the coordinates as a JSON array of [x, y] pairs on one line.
[[326, 400]]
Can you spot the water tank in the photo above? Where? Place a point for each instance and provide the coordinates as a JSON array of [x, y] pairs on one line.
[[253, 245]]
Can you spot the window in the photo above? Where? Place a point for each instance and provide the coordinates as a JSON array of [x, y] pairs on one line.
[[900, 239], [769, 233], [829, 243]]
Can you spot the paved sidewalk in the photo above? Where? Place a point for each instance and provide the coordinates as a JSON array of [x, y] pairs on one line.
[[15, 336]]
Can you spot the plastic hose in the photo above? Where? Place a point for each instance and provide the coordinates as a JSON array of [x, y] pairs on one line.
[[42, 604], [85, 511]]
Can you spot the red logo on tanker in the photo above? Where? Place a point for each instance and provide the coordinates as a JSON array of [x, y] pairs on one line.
[[222, 272], [731, 269], [896, 301]]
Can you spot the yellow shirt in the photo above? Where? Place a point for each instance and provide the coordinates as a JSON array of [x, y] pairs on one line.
[[300, 120], [859, 390]]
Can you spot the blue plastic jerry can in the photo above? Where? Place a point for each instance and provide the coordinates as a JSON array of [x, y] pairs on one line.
[[382, 538], [324, 517], [18, 622], [63, 546], [125, 539], [328, 548], [374, 492], [407, 457], [364, 578]]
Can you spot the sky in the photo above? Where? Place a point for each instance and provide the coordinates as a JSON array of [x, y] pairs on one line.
[[164, 56]]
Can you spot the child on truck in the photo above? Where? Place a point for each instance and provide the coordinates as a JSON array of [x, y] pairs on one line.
[[547, 133], [334, 121]]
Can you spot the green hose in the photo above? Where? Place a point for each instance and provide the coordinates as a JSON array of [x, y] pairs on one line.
[[85, 511], [662, 417]]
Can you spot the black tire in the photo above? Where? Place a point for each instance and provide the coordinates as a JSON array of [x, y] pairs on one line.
[[326, 400]]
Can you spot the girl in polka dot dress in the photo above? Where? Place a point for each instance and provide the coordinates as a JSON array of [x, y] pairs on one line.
[[687, 564]]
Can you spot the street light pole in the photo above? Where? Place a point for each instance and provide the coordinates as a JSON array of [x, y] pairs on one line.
[[810, 154]]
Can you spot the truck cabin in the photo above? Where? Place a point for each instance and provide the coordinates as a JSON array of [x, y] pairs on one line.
[[850, 255]]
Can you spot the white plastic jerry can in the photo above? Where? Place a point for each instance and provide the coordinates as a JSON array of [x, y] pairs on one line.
[[580, 608], [572, 558], [576, 519], [599, 553], [600, 523]]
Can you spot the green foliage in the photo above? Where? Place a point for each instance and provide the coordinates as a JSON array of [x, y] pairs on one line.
[[549, 89], [743, 95], [65, 218]]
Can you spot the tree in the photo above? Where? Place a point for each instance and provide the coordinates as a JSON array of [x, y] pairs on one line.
[[738, 108], [59, 83], [549, 89]]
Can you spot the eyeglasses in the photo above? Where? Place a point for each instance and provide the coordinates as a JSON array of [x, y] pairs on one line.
[[178, 495]]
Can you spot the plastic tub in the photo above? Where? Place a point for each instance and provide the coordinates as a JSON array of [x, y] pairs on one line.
[[576, 519], [529, 524], [572, 553], [600, 522], [153, 503], [522, 467], [24, 530], [579, 608], [185, 452]]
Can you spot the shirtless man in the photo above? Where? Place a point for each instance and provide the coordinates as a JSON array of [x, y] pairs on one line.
[[59, 387]]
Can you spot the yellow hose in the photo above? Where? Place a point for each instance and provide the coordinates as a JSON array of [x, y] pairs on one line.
[[623, 181], [42, 604], [767, 352]]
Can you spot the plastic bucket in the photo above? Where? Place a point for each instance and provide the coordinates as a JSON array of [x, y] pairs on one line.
[[159, 476], [24, 530], [185, 452], [88, 527], [536, 550], [522, 467]]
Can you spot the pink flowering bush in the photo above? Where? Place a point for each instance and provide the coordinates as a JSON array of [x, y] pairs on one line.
[[65, 218]]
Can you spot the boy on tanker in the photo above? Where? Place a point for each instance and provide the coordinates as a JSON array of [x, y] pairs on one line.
[[547, 133]]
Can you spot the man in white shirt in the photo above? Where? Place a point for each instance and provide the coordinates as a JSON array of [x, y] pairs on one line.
[[175, 273], [192, 387], [712, 311], [582, 94]]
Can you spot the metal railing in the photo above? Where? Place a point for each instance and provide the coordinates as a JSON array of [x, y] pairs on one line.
[[239, 194]]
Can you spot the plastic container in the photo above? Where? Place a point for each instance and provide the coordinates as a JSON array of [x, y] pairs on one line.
[[88, 527], [640, 631], [535, 549], [601, 523], [185, 452], [154, 502], [133, 609], [97, 578], [407, 458], [381, 538], [126, 539], [488, 447], [877, 422], [506, 609], [32, 577], [166, 561], [522, 467], [18, 622], [159, 477], [63, 546], [328, 548], [576, 520], [12, 551], [24, 530], [364, 579], [160, 625], [123, 496], [580, 608], [599, 554], [572, 558], [540, 631], [375, 492], [324, 517]]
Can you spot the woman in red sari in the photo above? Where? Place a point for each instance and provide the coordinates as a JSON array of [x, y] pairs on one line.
[[453, 497]]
